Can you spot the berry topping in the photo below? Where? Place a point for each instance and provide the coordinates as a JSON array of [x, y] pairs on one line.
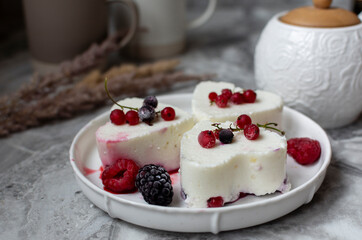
[[150, 101], [304, 150], [251, 131], [237, 98], [243, 120], [120, 177], [154, 183], [221, 101], [146, 113], [215, 202], [217, 133], [226, 136], [207, 139], [117, 117], [212, 96], [132, 117], [227, 93], [249, 96], [168, 114]]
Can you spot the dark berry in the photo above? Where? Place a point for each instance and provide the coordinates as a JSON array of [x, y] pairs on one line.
[[207, 139], [243, 120], [168, 114], [212, 96], [251, 131], [132, 117], [304, 150], [154, 183], [221, 101], [249, 96], [120, 177], [227, 93], [146, 113], [117, 117], [237, 98], [150, 101], [226, 136], [215, 202]]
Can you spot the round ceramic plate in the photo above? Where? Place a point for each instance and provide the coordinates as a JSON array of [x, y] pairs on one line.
[[246, 212]]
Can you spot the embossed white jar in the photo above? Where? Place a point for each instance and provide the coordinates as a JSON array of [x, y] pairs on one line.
[[317, 71]]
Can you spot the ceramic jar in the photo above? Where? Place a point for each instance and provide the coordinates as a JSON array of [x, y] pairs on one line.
[[317, 71]]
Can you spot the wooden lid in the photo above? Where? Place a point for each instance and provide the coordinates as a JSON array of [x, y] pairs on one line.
[[320, 15]]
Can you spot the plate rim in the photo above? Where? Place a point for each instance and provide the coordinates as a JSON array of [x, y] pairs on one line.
[[291, 193]]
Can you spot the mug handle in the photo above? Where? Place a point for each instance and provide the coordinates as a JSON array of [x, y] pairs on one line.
[[134, 22], [204, 17]]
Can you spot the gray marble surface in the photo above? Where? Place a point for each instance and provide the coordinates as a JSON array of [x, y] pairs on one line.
[[40, 199]]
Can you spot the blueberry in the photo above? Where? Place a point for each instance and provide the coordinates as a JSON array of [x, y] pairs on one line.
[[150, 101], [146, 113], [226, 136]]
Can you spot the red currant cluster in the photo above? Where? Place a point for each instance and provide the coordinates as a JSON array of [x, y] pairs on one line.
[[207, 138], [146, 113], [248, 96]]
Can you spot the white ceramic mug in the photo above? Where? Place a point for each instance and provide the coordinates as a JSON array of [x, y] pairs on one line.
[[317, 71], [162, 28]]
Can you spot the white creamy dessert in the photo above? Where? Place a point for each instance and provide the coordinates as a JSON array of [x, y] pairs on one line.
[[267, 107], [144, 144], [243, 166]]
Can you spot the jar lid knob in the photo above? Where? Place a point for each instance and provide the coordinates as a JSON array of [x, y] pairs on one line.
[[324, 4]]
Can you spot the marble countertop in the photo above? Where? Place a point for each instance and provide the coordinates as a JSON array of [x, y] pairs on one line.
[[40, 199]]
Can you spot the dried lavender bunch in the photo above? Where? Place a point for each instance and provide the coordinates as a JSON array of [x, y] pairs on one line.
[[89, 94]]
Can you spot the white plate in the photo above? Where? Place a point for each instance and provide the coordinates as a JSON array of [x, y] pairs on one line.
[[246, 212]]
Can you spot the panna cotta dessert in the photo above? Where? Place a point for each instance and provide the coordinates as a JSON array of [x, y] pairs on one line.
[[156, 142], [222, 101], [215, 172]]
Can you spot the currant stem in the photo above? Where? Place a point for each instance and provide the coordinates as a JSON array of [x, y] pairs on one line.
[[121, 106], [267, 126]]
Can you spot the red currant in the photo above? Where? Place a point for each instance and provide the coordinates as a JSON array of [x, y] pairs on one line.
[[237, 98], [212, 96], [243, 120], [227, 93], [215, 202], [251, 131], [132, 117], [221, 101], [168, 114], [216, 133], [207, 139], [249, 96], [117, 117]]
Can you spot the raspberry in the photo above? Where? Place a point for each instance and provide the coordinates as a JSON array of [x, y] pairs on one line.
[[221, 101], [227, 93], [207, 139], [251, 131], [154, 183], [117, 117], [215, 202], [120, 177], [249, 96], [304, 150], [168, 114], [237, 98]]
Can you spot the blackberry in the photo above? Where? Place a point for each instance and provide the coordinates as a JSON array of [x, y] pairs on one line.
[[150, 101], [154, 183], [226, 136]]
